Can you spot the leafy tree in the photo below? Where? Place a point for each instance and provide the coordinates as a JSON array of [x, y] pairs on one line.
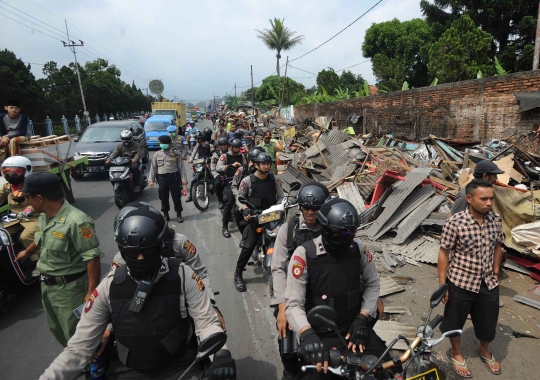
[[512, 23], [329, 80], [349, 81], [461, 52], [273, 85], [19, 83], [279, 38], [246, 95], [398, 52]]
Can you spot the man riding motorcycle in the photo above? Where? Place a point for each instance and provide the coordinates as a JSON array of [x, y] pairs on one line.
[[201, 150], [261, 190], [128, 148], [152, 303], [223, 145], [15, 169], [208, 132], [227, 166]]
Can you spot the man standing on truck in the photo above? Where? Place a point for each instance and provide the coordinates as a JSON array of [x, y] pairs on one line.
[[13, 129]]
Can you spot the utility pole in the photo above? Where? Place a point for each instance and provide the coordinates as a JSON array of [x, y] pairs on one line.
[[235, 92], [215, 110], [252, 102], [536, 58], [285, 81], [72, 47]]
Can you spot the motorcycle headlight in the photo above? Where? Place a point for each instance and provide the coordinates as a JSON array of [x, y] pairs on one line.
[[125, 173], [273, 233]]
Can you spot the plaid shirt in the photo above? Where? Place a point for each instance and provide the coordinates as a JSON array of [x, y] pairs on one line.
[[472, 247]]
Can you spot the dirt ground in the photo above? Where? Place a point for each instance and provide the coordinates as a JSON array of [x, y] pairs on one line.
[[517, 356]]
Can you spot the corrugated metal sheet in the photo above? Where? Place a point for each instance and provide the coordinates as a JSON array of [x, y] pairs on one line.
[[415, 218], [367, 185], [436, 218], [291, 175], [313, 150], [398, 310], [389, 286], [412, 202], [424, 249], [527, 301], [337, 156], [342, 171], [349, 191], [335, 136], [317, 177], [402, 191], [389, 330]]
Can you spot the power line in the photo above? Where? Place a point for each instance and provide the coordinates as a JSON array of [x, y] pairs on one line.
[[30, 27], [335, 35], [367, 60], [50, 26], [302, 70]]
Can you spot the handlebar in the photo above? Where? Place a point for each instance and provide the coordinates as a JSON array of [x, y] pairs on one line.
[[436, 321]]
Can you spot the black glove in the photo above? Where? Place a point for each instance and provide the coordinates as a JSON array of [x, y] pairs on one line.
[[223, 367], [359, 330], [312, 347], [247, 212]]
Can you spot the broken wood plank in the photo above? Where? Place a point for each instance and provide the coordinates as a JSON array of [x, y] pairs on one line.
[[398, 310]]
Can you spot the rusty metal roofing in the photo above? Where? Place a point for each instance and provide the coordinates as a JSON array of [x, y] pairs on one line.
[[389, 286], [411, 203], [402, 191], [335, 136], [389, 330], [415, 218], [349, 191], [291, 175]]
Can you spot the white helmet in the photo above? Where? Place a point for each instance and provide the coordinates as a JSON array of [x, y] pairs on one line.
[[111, 118], [126, 136], [18, 162]]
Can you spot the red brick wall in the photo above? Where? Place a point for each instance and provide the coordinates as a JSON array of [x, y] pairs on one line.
[[473, 109]]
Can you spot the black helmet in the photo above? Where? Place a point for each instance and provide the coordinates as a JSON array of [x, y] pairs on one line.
[[141, 228], [339, 220], [236, 143], [263, 157], [313, 196], [125, 210], [208, 132], [239, 134], [255, 152], [223, 141], [201, 136]]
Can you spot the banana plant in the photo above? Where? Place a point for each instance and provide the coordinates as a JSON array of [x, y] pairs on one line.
[[434, 83], [499, 68], [362, 91], [405, 86]]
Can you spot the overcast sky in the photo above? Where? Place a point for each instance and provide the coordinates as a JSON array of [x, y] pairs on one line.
[[198, 48]]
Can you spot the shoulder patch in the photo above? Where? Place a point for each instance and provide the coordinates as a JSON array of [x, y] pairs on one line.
[[190, 247], [86, 231], [368, 254], [222, 157], [90, 301], [243, 185], [199, 281], [297, 270], [280, 183], [300, 260]]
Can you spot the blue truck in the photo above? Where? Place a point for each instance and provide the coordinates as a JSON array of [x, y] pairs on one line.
[[156, 126]]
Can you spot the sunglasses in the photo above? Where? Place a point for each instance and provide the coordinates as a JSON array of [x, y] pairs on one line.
[[133, 253], [310, 208], [343, 233]]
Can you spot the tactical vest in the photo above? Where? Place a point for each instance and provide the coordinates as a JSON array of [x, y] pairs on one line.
[[231, 160], [263, 192], [296, 236], [156, 335], [334, 280], [204, 151]]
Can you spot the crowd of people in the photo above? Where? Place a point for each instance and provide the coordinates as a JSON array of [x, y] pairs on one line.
[[157, 303]]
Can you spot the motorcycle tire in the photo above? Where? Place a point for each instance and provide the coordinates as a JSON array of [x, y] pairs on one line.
[[120, 199], [269, 280], [201, 202], [77, 174]]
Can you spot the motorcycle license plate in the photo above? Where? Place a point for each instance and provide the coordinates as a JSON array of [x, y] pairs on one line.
[[269, 217], [432, 374], [117, 169], [92, 169]]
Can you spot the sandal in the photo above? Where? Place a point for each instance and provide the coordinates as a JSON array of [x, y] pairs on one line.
[[490, 363], [463, 366]]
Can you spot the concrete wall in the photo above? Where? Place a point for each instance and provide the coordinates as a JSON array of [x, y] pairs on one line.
[[474, 109]]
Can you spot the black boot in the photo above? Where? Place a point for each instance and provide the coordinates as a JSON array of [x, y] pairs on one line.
[[225, 231], [179, 218], [239, 282], [166, 216], [188, 199]]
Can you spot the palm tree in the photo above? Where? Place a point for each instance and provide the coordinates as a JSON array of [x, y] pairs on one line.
[[279, 38]]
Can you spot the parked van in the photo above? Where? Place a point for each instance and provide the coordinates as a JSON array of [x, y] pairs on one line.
[[156, 126]]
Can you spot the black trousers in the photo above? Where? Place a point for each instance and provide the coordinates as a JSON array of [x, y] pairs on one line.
[[240, 222], [228, 199], [250, 236], [170, 183], [218, 187], [135, 169]]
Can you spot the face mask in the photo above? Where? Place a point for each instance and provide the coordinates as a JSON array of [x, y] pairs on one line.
[[14, 181], [164, 146], [143, 269], [173, 134]]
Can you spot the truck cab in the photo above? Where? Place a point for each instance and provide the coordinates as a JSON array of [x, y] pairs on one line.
[[156, 126]]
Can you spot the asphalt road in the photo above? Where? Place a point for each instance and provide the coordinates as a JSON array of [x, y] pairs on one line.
[[27, 347]]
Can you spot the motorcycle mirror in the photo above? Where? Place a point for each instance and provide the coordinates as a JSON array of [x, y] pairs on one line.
[[322, 316], [295, 186], [211, 345], [438, 295]]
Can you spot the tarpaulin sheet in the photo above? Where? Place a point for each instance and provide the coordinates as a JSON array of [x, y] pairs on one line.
[[528, 100], [528, 235]]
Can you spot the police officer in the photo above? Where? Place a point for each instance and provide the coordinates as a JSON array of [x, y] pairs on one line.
[[178, 142], [298, 230], [15, 169], [168, 169], [208, 132], [223, 145], [154, 333], [334, 269], [128, 148], [262, 191], [69, 260], [203, 149], [227, 166]]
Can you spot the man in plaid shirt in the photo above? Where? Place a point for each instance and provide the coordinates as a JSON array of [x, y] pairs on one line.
[[469, 262]]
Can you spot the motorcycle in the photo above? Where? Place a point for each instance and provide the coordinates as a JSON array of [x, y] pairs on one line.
[[192, 138], [270, 221], [12, 273], [202, 184], [368, 367], [121, 178], [206, 348]]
